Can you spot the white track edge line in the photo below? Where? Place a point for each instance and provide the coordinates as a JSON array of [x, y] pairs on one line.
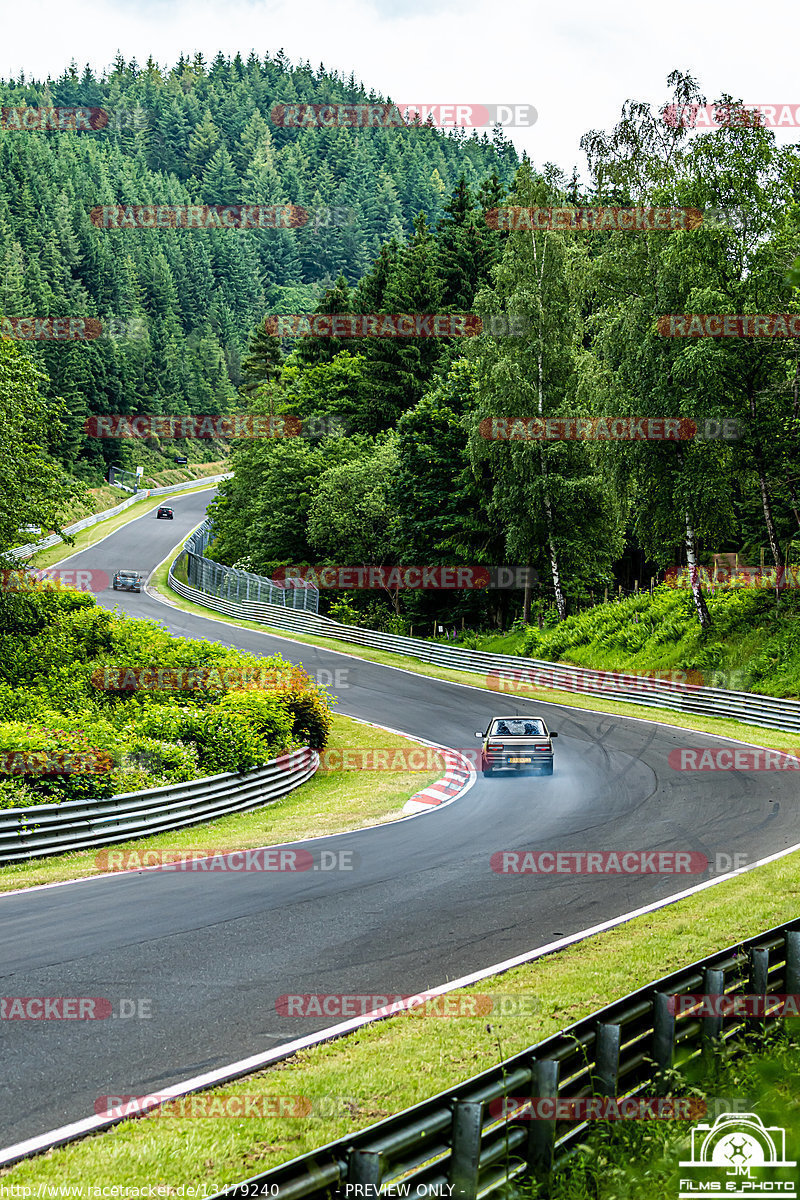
[[256, 1062], [232, 621], [468, 783]]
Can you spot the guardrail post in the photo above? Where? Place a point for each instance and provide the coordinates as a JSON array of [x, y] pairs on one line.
[[791, 983], [663, 1038], [466, 1152], [713, 985], [759, 968], [364, 1167], [607, 1059], [542, 1134]]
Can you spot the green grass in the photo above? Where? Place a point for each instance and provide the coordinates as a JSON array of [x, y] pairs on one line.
[[330, 802], [629, 1160], [750, 645], [98, 499], [398, 1062], [772, 738]]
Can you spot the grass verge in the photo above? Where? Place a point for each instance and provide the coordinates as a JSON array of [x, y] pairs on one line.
[[398, 1062], [98, 499], [775, 739], [628, 1160], [331, 802]]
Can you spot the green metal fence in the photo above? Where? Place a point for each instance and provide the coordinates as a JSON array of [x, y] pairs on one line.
[[466, 1139], [240, 587]]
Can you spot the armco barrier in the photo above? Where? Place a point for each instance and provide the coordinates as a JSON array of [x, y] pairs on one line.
[[146, 493], [77, 824], [467, 1142], [767, 711]]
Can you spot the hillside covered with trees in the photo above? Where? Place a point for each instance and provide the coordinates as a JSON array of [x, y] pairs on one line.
[[416, 481], [178, 307], [397, 468]]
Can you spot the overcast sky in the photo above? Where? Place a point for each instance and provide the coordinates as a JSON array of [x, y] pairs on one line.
[[575, 61]]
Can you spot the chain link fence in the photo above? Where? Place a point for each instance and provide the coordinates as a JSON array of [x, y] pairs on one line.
[[236, 586]]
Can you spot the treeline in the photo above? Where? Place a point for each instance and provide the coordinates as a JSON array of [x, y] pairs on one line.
[[179, 306], [413, 480]]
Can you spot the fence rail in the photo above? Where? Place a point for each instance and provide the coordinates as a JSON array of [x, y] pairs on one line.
[[504, 672], [235, 586], [77, 824], [145, 493], [476, 1136]]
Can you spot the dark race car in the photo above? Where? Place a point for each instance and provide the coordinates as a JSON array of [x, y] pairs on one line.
[[127, 581], [165, 514], [518, 744]]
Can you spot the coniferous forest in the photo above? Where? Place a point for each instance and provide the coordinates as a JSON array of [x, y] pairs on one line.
[[180, 306], [398, 470]]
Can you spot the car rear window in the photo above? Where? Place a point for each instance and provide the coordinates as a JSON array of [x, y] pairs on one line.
[[527, 728]]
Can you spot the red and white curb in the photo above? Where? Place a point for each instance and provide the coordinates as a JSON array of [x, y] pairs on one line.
[[459, 775]]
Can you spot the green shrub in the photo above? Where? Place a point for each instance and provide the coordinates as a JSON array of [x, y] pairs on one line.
[[167, 762], [16, 793], [58, 764], [343, 611], [225, 741], [267, 713]]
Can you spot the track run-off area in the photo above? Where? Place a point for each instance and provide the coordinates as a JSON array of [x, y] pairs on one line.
[[210, 953]]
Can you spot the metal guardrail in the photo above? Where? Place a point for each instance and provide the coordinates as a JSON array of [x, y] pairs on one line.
[[477, 1136], [236, 586], [145, 493], [503, 672], [77, 824]]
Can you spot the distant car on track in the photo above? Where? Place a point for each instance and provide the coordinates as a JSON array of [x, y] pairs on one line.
[[519, 744], [165, 514], [127, 581]]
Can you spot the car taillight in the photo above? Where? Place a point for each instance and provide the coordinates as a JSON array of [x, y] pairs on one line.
[[543, 746], [494, 746]]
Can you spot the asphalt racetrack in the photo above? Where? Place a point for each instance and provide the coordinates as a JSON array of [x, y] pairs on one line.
[[210, 954]]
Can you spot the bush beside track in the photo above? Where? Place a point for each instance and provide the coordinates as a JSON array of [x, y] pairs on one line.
[[94, 703], [331, 802]]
